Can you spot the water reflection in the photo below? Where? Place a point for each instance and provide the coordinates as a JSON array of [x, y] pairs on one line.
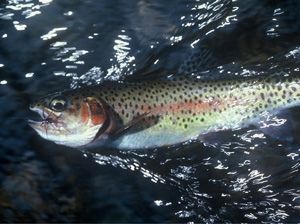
[[206, 179], [122, 59], [29, 75], [23, 8], [247, 177], [203, 14], [53, 33]]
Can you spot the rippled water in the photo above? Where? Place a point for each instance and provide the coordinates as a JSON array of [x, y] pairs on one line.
[[50, 45]]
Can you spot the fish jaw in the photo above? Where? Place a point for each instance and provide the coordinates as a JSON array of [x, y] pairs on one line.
[[56, 129]]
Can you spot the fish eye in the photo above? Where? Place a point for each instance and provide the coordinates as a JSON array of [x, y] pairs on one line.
[[58, 103]]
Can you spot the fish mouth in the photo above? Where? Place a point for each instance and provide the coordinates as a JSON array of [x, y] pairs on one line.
[[48, 119]]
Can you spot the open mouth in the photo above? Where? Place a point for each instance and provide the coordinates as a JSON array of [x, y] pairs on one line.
[[48, 118]]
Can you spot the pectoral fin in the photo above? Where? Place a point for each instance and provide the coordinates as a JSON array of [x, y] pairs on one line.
[[135, 121]]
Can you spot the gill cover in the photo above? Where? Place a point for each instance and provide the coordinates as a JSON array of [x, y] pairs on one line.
[[92, 111], [96, 112]]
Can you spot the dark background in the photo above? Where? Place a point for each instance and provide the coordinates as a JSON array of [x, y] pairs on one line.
[[48, 46]]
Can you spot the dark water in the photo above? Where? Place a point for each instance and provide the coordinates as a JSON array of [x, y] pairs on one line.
[[50, 45]]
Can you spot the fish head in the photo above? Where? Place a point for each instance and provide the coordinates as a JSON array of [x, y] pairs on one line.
[[69, 120]]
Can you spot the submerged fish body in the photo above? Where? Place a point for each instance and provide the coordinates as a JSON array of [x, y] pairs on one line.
[[155, 113]]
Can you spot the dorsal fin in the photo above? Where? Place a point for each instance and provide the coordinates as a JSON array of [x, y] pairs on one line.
[[198, 60]]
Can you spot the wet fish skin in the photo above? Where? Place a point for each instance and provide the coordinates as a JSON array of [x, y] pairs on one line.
[[169, 111]]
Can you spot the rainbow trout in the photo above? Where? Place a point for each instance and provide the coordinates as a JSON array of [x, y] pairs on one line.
[[155, 113]]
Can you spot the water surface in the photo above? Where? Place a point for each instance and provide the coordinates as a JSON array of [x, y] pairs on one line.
[[51, 45]]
